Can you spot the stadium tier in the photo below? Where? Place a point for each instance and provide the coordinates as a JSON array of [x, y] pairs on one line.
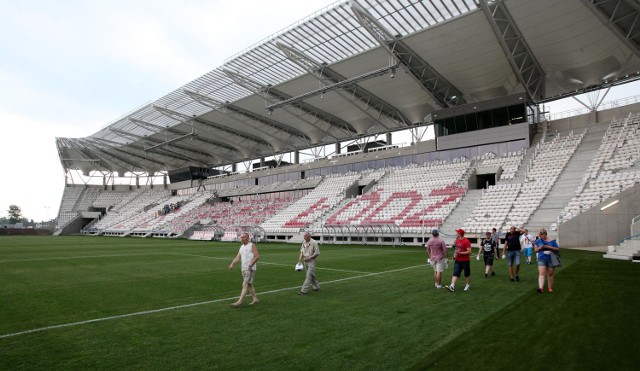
[[612, 169], [394, 204]]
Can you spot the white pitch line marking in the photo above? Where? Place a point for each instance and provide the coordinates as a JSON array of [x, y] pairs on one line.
[[152, 311], [279, 264]]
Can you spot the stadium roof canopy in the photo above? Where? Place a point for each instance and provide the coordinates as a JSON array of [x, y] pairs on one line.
[[367, 67]]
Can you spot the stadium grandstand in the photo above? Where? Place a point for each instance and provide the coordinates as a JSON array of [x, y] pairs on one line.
[[375, 121]]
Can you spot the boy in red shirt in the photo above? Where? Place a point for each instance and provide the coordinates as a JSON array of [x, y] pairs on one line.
[[462, 261]]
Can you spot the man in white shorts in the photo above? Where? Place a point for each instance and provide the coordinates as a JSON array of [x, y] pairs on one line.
[[438, 255], [248, 255]]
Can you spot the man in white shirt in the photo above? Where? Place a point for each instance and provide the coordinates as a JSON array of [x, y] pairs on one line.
[[248, 255], [309, 251], [526, 241]]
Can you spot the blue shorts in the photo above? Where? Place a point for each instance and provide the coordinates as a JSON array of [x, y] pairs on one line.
[[545, 263], [459, 266], [513, 258], [528, 251]]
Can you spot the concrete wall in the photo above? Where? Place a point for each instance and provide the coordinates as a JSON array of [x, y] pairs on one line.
[[604, 117], [487, 136], [617, 113], [90, 214], [182, 185], [597, 227], [73, 227], [472, 183], [574, 122], [121, 187]]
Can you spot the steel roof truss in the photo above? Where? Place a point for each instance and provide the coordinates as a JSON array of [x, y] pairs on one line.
[[521, 58], [138, 148], [154, 149], [257, 140], [232, 111], [313, 115], [128, 160], [244, 114], [117, 160], [181, 117], [86, 153], [130, 136], [444, 93], [621, 17], [306, 112], [359, 97]]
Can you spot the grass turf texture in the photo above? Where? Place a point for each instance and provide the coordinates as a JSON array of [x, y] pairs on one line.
[[377, 309]]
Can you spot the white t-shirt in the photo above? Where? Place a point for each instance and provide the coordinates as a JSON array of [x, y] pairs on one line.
[[246, 256], [526, 241]]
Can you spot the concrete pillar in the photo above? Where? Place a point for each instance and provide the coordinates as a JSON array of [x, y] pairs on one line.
[[338, 148], [389, 142]]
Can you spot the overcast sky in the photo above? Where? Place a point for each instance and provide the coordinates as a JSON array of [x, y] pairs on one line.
[[67, 68]]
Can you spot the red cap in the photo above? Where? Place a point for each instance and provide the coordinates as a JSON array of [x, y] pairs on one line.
[[460, 231]]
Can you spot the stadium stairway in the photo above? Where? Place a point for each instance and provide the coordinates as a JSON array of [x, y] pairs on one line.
[[564, 188], [460, 214], [627, 250], [526, 160]]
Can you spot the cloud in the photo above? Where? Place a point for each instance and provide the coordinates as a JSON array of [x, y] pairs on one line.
[[33, 177], [70, 67]]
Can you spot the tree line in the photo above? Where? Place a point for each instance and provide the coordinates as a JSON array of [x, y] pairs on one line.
[[15, 216]]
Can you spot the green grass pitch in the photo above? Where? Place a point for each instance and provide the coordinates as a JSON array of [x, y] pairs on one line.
[[130, 303]]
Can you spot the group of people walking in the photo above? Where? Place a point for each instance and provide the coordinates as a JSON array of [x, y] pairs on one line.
[[516, 241], [248, 256]]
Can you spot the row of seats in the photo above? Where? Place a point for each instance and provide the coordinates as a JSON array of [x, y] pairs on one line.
[[302, 213], [412, 197], [69, 199], [510, 163], [130, 206], [504, 205], [609, 173]]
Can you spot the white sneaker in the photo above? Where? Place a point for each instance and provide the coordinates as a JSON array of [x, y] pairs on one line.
[[438, 286], [467, 288], [451, 288]]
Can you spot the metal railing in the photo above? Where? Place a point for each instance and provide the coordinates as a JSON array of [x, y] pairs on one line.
[[603, 106]]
